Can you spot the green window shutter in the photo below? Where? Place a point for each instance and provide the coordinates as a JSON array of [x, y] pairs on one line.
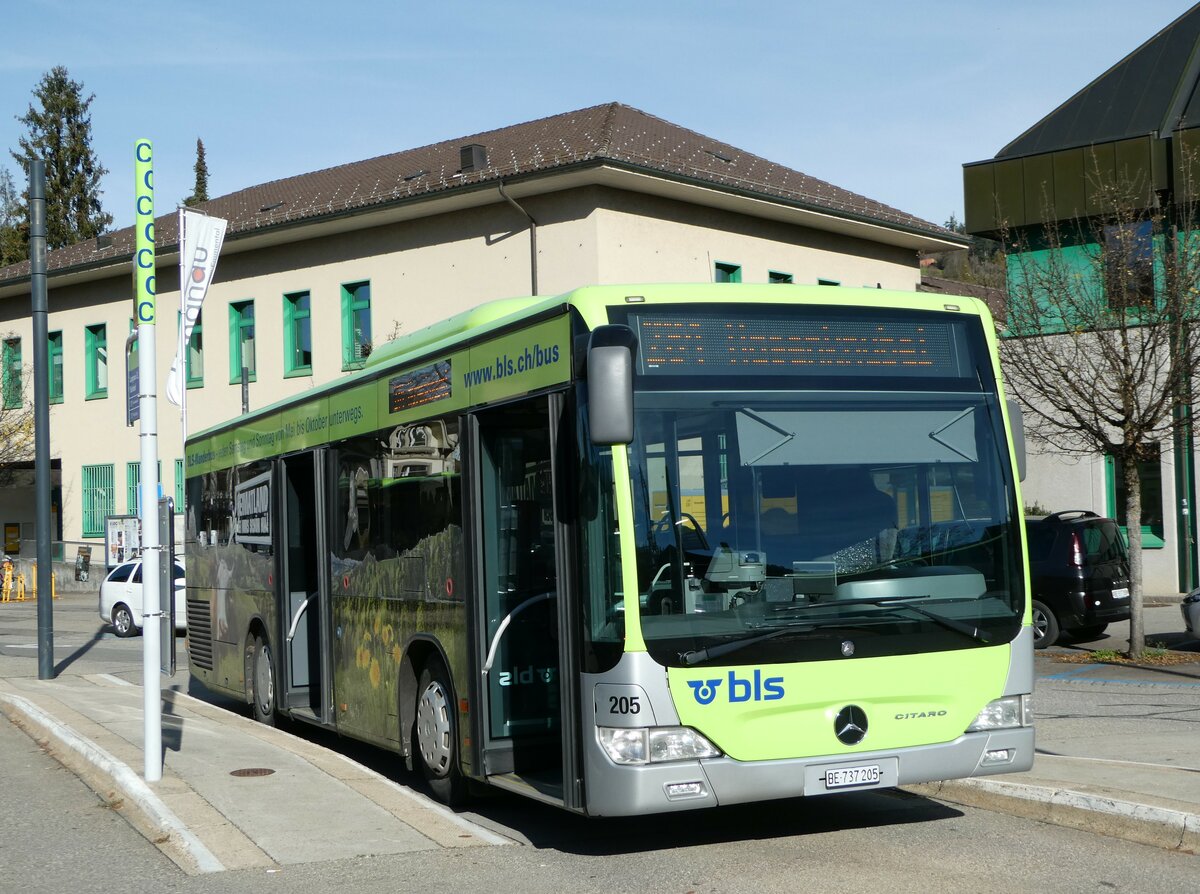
[[133, 480], [297, 334], [14, 393], [356, 324], [179, 485], [96, 361], [97, 486], [723, 272], [55, 358]]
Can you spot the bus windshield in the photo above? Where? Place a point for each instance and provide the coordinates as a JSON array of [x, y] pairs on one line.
[[800, 521]]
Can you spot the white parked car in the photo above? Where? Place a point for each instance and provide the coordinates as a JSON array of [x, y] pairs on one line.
[[121, 598], [1191, 612]]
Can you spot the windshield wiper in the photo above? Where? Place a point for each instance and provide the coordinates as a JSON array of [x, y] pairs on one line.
[[949, 623], [894, 602], [709, 652]]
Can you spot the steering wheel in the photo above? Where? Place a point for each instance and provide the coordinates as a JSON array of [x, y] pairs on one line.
[[664, 524]]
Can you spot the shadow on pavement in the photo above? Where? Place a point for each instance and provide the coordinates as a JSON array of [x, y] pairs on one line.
[[80, 652]]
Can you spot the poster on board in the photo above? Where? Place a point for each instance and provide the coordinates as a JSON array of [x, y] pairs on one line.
[[122, 539]]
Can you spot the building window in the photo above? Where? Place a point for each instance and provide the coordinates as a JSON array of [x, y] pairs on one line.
[[241, 340], [96, 361], [133, 484], [727, 272], [55, 352], [97, 498], [178, 486], [1129, 265], [356, 324], [774, 276], [829, 282], [1150, 482], [195, 356], [297, 334], [14, 395]]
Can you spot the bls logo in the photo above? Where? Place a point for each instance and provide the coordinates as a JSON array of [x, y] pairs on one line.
[[740, 689], [526, 676]]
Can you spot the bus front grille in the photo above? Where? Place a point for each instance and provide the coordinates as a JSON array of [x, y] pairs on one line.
[[200, 649]]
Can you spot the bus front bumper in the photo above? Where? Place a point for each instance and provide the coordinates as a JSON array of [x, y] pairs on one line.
[[614, 790]]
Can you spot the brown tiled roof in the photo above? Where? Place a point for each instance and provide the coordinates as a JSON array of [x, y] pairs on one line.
[[612, 134]]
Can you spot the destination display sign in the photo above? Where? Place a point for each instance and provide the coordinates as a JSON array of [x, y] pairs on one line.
[[736, 344]]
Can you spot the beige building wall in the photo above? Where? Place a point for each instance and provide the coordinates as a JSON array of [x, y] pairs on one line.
[[420, 271]]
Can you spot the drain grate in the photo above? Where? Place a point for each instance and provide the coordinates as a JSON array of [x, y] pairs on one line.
[[250, 772]]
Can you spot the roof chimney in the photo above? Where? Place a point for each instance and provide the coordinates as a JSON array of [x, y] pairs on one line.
[[472, 158]]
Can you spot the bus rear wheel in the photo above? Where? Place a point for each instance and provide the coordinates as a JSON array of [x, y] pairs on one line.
[[262, 682], [436, 734]]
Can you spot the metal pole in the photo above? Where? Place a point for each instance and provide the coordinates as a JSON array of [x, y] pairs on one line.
[[41, 414], [145, 309]]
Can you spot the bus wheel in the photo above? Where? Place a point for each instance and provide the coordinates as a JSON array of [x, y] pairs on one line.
[[436, 734], [262, 682]]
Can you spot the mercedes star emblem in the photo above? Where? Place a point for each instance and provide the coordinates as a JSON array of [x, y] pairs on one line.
[[851, 725]]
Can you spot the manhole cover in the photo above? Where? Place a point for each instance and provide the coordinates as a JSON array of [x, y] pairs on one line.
[[251, 771]]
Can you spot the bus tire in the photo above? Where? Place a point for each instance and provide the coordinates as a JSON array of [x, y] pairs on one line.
[[262, 682], [435, 734]]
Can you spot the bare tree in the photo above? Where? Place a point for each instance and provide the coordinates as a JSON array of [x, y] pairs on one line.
[[16, 416], [1102, 337]]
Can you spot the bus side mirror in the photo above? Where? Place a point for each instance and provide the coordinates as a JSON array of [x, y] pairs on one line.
[[1016, 423], [610, 384]]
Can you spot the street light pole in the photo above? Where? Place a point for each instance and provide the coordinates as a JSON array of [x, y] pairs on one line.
[[41, 414]]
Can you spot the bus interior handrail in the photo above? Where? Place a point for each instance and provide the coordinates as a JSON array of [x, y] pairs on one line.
[[495, 644], [296, 617]]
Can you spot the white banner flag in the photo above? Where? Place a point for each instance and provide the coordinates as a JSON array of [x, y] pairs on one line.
[[200, 238]]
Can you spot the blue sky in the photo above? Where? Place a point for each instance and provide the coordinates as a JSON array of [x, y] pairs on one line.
[[883, 98]]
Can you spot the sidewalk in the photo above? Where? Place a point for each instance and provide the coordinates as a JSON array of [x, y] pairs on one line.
[[234, 794], [1118, 754]]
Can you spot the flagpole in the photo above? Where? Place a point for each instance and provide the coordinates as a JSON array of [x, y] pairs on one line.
[[182, 346]]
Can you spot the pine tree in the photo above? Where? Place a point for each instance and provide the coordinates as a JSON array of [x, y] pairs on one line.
[[13, 247], [60, 131], [200, 192]]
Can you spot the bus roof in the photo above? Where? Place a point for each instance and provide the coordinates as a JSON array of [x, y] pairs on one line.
[[592, 302]]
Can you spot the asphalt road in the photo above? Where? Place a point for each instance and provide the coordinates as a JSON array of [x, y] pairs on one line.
[[56, 835]]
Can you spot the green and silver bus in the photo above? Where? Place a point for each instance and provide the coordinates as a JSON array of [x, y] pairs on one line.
[[636, 548]]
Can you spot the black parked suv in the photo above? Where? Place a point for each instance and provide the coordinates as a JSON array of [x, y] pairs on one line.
[[1079, 569]]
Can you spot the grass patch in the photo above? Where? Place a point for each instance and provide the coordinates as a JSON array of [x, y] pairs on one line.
[[1154, 654]]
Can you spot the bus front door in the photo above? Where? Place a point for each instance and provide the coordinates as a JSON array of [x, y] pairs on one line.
[[305, 589], [522, 635]]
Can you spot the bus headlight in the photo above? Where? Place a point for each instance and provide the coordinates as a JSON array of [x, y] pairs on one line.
[[654, 745], [1009, 712]]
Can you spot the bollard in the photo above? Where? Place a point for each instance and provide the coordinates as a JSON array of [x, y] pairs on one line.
[[6, 585], [20, 588]]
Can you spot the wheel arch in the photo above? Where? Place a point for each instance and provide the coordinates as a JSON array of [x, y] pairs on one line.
[[417, 653]]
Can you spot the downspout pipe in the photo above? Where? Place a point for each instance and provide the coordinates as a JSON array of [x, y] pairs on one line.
[[532, 238]]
